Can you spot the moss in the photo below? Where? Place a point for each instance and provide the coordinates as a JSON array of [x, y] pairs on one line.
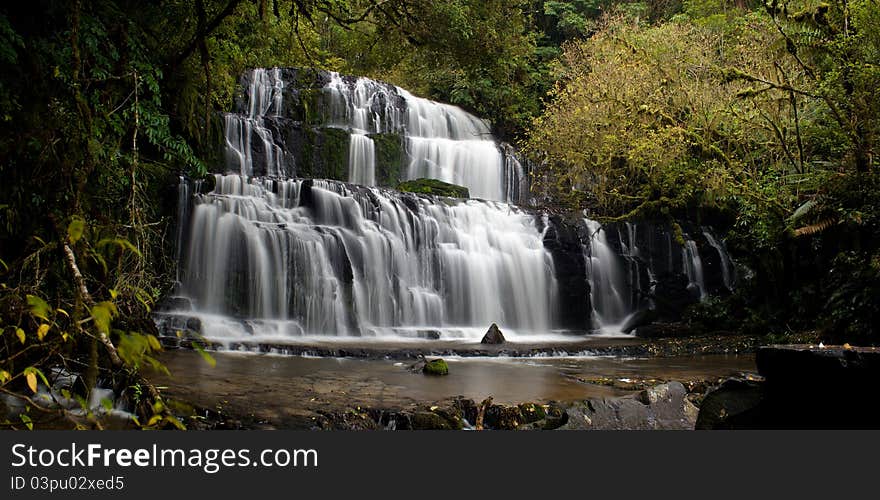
[[390, 158], [433, 187], [436, 367], [323, 154]]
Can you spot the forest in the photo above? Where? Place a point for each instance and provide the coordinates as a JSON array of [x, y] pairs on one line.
[[759, 118]]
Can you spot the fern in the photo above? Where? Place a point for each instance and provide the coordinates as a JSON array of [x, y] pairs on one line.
[[807, 207], [816, 228]]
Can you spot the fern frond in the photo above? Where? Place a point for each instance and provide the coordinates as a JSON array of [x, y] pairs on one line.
[[816, 228], [804, 209]]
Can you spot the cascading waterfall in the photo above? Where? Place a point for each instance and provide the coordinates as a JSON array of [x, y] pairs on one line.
[[264, 100], [290, 259], [266, 255], [614, 277], [727, 269], [442, 141], [693, 266]]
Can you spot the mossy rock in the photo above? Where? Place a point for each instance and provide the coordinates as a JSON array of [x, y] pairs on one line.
[[532, 412], [390, 158], [426, 420], [436, 367], [321, 153], [433, 187]]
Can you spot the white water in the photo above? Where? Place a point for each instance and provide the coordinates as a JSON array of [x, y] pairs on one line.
[[361, 262], [727, 270], [442, 141], [610, 288], [693, 266], [265, 98]]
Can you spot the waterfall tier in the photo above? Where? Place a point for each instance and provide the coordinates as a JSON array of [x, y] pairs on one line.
[[323, 125], [303, 257]]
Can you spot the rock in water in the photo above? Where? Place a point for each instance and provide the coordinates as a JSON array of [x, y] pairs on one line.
[[436, 367], [433, 187], [493, 336]]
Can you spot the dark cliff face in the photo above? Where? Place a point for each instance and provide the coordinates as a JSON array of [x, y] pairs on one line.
[[562, 240], [670, 272]]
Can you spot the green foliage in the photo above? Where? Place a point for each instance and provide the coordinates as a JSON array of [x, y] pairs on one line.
[[852, 313]]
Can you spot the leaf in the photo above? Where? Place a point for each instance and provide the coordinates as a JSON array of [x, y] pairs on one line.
[[39, 307], [154, 343], [4, 376], [122, 243], [103, 314], [27, 421], [35, 372], [21, 336], [31, 378], [107, 404], [804, 209], [42, 331], [207, 357], [76, 228]]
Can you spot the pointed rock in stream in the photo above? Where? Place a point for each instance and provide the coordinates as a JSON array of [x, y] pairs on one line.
[[493, 336]]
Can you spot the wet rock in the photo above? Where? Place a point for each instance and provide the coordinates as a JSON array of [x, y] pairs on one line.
[[427, 420], [493, 336], [433, 187], [663, 407], [429, 334], [175, 303], [435, 367], [732, 404], [638, 319], [502, 417], [562, 240], [532, 412], [664, 330], [467, 408]]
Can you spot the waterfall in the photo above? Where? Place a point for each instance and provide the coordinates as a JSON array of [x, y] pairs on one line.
[[693, 266], [442, 141], [294, 257], [610, 279], [727, 269], [268, 255], [264, 100]]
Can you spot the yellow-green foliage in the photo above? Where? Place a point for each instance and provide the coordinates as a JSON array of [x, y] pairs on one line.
[[646, 113]]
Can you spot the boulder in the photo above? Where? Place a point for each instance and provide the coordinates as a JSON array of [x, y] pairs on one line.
[[733, 404], [436, 367], [502, 417], [433, 187], [493, 336], [812, 387], [663, 407]]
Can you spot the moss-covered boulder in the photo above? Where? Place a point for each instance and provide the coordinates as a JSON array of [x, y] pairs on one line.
[[436, 367], [427, 420], [434, 188]]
